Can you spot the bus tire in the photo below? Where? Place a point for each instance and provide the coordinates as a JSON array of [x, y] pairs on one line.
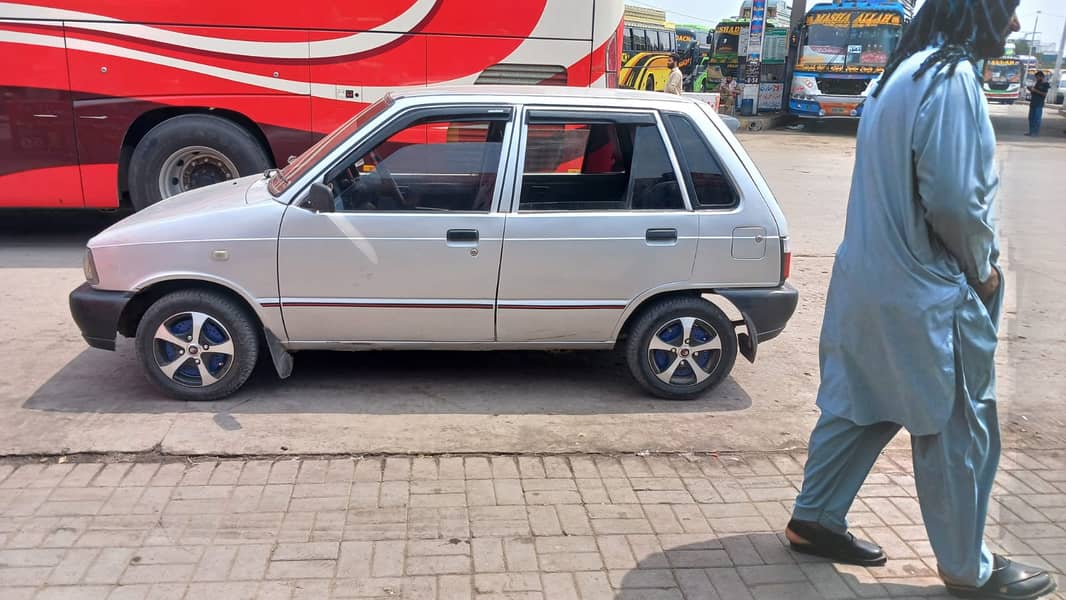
[[191, 151]]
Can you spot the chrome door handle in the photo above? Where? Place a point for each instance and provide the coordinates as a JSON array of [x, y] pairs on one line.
[[661, 236], [463, 237]]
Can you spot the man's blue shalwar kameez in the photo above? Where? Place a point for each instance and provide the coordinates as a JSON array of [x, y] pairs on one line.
[[906, 341]]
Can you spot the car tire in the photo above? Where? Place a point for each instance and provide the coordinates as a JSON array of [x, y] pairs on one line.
[[667, 370], [172, 366], [190, 151]]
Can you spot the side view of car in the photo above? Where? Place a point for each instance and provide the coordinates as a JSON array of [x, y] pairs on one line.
[[461, 219]]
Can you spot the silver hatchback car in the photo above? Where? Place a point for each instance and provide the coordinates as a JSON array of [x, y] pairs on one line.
[[461, 219]]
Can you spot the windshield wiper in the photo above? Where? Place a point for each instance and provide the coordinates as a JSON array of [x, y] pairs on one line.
[[280, 175]]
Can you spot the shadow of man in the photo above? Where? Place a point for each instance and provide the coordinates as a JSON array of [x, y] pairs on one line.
[[761, 566]]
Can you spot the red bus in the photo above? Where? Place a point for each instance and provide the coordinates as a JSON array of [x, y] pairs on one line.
[[110, 103]]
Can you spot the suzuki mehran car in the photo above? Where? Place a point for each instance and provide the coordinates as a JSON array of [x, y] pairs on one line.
[[461, 219]]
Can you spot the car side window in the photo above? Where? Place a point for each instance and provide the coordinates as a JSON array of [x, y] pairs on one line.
[[438, 164], [712, 187], [596, 164]]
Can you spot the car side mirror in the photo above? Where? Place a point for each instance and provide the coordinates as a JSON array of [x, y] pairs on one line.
[[319, 199]]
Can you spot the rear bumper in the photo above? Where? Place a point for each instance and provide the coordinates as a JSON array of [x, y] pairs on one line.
[[766, 311], [97, 313]]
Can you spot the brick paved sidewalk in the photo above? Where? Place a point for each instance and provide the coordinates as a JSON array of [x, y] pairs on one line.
[[484, 528]]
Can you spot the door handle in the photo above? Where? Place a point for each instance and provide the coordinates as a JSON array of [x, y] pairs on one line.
[[661, 236], [462, 237]]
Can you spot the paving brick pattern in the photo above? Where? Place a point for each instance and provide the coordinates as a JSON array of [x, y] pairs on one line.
[[479, 528]]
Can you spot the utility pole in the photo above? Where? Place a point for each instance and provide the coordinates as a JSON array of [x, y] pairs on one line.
[[799, 13], [1032, 40]]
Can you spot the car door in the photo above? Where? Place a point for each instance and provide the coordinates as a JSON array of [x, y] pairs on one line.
[[599, 218], [412, 251]]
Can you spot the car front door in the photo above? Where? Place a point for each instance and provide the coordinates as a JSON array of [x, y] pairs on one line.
[[600, 218], [411, 252]]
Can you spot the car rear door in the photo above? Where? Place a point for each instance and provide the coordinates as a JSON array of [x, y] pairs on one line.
[[598, 218]]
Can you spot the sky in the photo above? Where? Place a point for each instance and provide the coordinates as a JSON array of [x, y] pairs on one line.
[[709, 12]]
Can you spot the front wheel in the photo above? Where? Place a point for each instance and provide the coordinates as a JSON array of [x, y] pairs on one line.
[[680, 348], [197, 345]]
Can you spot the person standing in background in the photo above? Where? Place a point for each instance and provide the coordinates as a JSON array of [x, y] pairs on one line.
[[1038, 91], [675, 84], [728, 90]]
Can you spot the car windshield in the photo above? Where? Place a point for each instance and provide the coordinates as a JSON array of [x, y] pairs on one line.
[[300, 165]]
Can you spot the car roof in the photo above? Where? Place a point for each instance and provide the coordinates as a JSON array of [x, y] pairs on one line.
[[541, 95]]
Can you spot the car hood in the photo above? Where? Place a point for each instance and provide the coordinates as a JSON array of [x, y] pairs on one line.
[[234, 209]]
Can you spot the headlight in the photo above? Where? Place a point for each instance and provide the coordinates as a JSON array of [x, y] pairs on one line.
[[88, 265]]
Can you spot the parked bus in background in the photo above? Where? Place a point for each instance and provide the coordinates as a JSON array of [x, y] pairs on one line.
[[1003, 79], [693, 46], [646, 30], [112, 103], [647, 42], [842, 47], [730, 36]]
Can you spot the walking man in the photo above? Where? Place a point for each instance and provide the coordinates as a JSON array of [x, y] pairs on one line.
[[909, 335], [675, 84], [729, 95], [1038, 95]]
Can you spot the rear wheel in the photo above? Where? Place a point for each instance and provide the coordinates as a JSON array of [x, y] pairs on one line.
[[197, 345], [191, 151], [681, 347]]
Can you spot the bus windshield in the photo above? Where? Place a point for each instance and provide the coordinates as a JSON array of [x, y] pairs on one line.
[[1003, 72], [870, 46], [850, 39], [726, 43]]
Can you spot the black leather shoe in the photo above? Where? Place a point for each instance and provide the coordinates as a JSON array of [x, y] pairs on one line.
[[809, 537], [1009, 581]]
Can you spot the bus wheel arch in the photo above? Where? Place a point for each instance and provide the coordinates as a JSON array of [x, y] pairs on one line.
[[151, 139]]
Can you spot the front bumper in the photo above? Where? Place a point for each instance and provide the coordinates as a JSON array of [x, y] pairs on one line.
[[97, 313], [827, 107], [766, 311]]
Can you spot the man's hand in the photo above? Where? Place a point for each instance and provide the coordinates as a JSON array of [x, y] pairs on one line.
[[987, 289]]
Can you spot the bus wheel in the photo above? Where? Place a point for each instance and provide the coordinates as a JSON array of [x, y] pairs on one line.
[[191, 151]]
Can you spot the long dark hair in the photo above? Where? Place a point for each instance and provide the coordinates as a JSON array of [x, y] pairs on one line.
[[965, 30]]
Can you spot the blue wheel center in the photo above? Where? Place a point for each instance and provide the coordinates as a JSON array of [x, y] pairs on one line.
[[210, 334], [674, 335]]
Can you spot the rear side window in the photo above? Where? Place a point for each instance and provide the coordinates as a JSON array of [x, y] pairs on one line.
[[597, 164], [713, 188]]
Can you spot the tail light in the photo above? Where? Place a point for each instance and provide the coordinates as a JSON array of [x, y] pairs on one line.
[[613, 57], [786, 260]]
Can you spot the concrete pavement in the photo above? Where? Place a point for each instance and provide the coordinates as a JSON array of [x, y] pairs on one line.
[[475, 527]]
